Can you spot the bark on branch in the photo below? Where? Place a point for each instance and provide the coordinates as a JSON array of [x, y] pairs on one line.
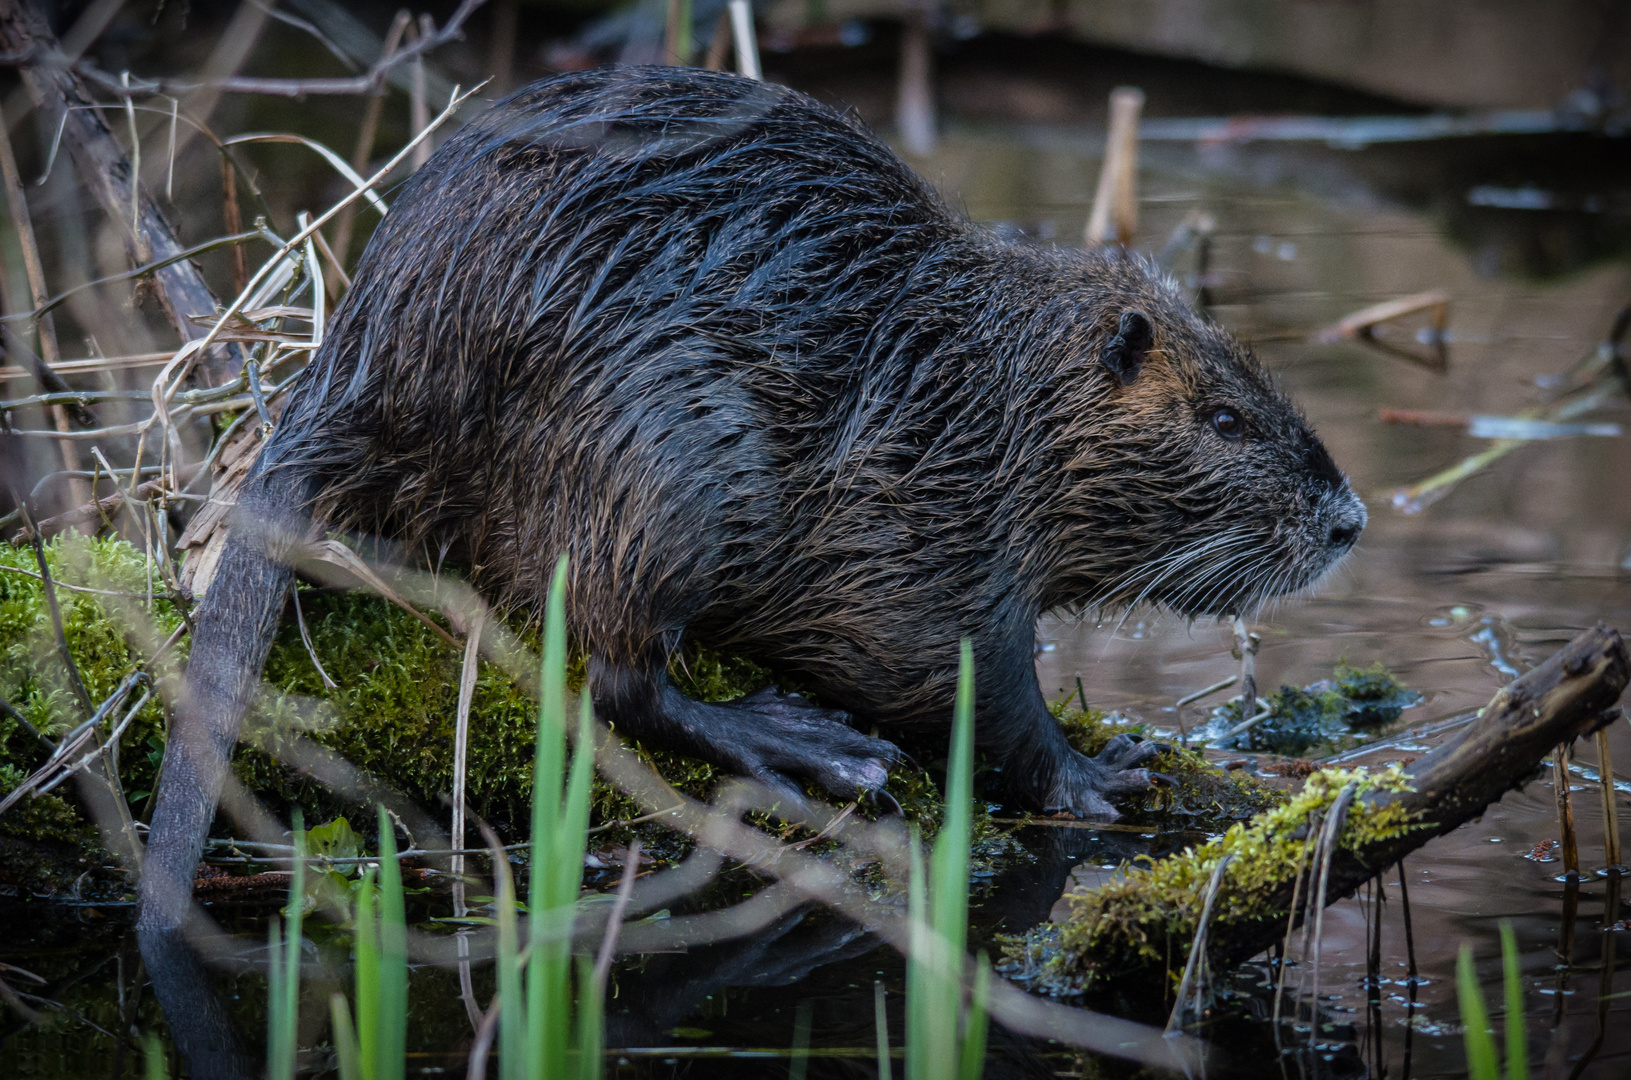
[[1132, 929], [1568, 697]]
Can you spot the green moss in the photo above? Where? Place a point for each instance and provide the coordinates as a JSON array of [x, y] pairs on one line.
[[107, 637], [391, 714], [1145, 920], [1323, 713], [42, 817]]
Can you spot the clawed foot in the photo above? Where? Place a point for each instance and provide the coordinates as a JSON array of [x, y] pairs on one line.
[[1085, 785], [785, 739]]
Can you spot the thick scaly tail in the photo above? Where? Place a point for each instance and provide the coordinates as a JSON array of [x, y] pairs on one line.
[[232, 633]]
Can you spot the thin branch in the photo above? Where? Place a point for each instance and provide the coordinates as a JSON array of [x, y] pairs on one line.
[[74, 681], [141, 271], [366, 83]]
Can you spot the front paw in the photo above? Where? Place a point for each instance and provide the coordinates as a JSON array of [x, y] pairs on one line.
[[1085, 785]]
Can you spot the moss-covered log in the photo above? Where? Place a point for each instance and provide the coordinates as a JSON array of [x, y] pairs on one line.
[[1140, 927]]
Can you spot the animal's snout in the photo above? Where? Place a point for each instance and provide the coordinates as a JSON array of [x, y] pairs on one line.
[[1347, 521]]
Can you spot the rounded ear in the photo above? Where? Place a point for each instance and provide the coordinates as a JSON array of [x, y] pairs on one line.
[[1124, 353]]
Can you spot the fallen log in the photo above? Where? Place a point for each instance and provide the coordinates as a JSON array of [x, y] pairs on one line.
[[1139, 928]]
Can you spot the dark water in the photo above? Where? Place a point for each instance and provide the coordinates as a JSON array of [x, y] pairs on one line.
[[1456, 600]]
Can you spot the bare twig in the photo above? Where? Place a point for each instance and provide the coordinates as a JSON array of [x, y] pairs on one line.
[[74, 681], [92, 511], [23, 226], [1197, 950], [614, 921], [365, 138], [461, 747], [242, 84], [106, 172], [46, 306]]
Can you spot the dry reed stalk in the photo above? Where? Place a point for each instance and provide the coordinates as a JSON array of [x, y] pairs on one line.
[[280, 87], [1197, 949], [1611, 806], [677, 44], [461, 744], [1363, 323], [1565, 813], [501, 46], [1246, 644], [170, 379], [232, 219], [418, 111], [746, 39], [1114, 219], [366, 134], [720, 44], [914, 95], [23, 227]]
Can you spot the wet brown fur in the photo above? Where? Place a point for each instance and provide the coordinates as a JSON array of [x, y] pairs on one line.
[[719, 345]]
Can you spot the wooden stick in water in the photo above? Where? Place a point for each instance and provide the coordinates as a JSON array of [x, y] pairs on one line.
[[1363, 322], [1115, 206], [1565, 812], [1611, 808], [1246, 644]]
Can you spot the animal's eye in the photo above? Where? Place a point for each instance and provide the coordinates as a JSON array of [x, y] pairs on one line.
[[1228, 423]]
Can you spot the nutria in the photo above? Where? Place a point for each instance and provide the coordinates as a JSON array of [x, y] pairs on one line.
[[718, 343]]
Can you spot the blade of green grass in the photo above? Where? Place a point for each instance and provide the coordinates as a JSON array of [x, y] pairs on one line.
[[918, 1035], [345, 1038], [591, 1022], [512, 1031], [548, 941], [1482, 1064], [391, 1042], [1517, 1039], [798, 1065], [369, 992], [153, 1052], [283, 970], [972, 1063], [880, 1022], [938, 922]]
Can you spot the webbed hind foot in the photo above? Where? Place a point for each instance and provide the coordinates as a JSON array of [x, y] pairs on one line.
[[1085, 785], [778, 739], [783, 738]]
